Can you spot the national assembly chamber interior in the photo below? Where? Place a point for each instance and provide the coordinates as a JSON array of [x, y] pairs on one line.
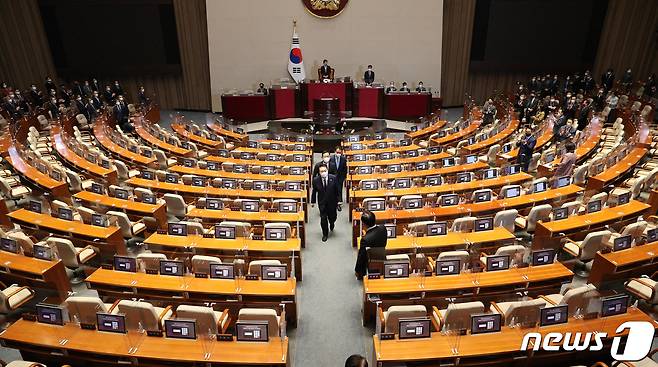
[[323, 183]]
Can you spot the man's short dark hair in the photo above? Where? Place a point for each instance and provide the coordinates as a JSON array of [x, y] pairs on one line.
[[356, 360], [570, 147], [325, 152], [325, 60], [368, 218], [369, 65]]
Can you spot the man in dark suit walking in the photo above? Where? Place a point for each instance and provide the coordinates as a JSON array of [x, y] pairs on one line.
[[338, 168], [375, 237], [526, 146], [325, 190]]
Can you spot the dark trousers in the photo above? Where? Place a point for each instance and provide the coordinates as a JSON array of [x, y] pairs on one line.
[[340, 182], [327, 216], [524, 162]]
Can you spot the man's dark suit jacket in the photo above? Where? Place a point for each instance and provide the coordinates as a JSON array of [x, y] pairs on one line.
[[341, 170], [325, 71], [369, 76], [327, 198], [374, 237]]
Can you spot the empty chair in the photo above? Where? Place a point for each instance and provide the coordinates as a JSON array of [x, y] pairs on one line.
[[516, 254], [519, 312], [123, 172], [572, 207], [490, 157], [85, 308], [144, 314], [577, 298], [580, 174], [128, 229], [419, 228], [458, 315], [201, 263], [86, 214], [255, 266], [585, 250], [76, 182], [24, 364], [193, 228], [481, 192], [537, 213], [643, 288], [391, 317], [24, 241], [242, 229], [72, 257], [197, 153], [13, 297], [506, 219], [463, 256], [175, 205], [13, 193], [463, 224], [504, 190], [262, 314], [404, 199], [534, 162], [149, 261], [635, 230], [163, 161], [208, 321], [43, 121], [82, 121], [275, 225]]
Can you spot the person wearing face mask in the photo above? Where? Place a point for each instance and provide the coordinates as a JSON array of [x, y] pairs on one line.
[[261, 89], [52, 108], [375, 236], [96, 101], [325, 161], [50, 85], [141, 96], [526, 146], [404, 88], [391, 87], [36, 95], [109, 95], [369, 76], [420, 87], [80, 106], [338, 167], [117, 89], [122, 115], [325, 192]]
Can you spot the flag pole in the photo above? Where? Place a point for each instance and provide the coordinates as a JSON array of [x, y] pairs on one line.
[[294, 26]]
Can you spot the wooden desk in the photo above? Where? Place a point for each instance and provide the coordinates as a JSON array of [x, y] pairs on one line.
[[472, 209], [398, 149], [231, 135], [42, 342], [257, 162], [238, 176], [549, 234], [584, 150], [653, 201], [44, 182], [108, 175], [405, 160], [296, 220], [282, 152], [154, 141], [233, 294], [617, 171], [453, 139], [544, 139], [285, 251], [212, 144], [625, 264], [434, 290], [131, 207], [36, 273], [117, 150], [502, 348], [366, 142], [497, 138], [426, 131], [108, 239], [432, 245], [422, 173]]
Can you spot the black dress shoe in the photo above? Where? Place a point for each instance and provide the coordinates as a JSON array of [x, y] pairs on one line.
[[324, 238], [339, 208], [331, 227]]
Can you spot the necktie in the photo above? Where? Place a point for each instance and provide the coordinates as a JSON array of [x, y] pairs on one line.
[[337, 161], [324, 183]]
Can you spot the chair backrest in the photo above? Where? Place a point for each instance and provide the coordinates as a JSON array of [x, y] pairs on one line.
[[419, 228], [635, 229], [405, 198], [572, 206], [285, 226], [194, 228], [515, 252], [262, 314], [593, 242], [537, 213], [201, 263], [482, 191], [22, 240], [65, 251], [395, 313], [122, 221], [505, 219], [524, 311], [458, 315], [85, 308], [122, 170], [492, 153], [206, 318], [85, 214], [463, 224], [75, 181], [503, 190], [150, 261], [461, 255], [175, 205], [578, 298], [534, 162], [580, 174], [254, 266], [242, 229], [139, 311], [638, 186]]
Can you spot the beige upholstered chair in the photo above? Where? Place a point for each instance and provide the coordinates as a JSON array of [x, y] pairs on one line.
[[150, 317], [85, 308], [262, 314], [457, 315], [208, 321], [391, 317]]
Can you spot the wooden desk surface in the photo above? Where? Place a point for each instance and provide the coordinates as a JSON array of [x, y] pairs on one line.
[[124, 205], [31, 334], [36, 273], [240, 244], [180, 130], [366, 142], [464, 281], [497, 138], [188, 283], [426, 172], [448, 241], [287, 143], [57, 188], [615, 172], [499, 181], [581, 222], [215, 191], [41, 220], [109, 174], [383, 150], [24, 264], [238, 176], [405, 160], [509, 340], [257, 162], [218, 129], [109, 144], [426, 131], [238, 215], [632, 255], [163, 145], [459, 135], [283, 152], [475, 209]]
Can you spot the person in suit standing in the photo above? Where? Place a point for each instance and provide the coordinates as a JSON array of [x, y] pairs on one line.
[[369, 76], [325, 192], [325, 70], [122, 115], [81, 108], [36, 95], [608, 79], [117, 89], [526, 146], [96, 101], [375, 236], [325, 161], [50, 85], [141, 96], [109, 95], [338, 167], [583, 115]]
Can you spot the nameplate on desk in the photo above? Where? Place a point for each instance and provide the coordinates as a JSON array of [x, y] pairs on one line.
[[84, 326], [151, 271], [272, 210], [257, 237], [251, 277], [156, 333], [278, 189], [374, 276], [208, 235], [428, 273], [224, 337], [107, 266], [200, 275], [161, 231], [29, 317], [386, 336]]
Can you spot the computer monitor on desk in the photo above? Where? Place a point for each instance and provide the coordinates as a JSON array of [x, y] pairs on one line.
[[414, 328], [539, 187], [214, 204], [396, 269], [485, 323], [463, 177], [224, 232], [111, 323], [554, 315], [471, 159], [50, 314], [490, 173], [34, 206], [594, 206], [449, 200], [543, 257], [614, 305], [274, 272], [180, 329], [448, 267], [42, 252], [252, 331], [497, 262], [177, 229], [222, 271], [622, 243], [483, 224], [390, 230], [563, 181], [9, 245], [65, 213], [437, 229], [125, 263], [172, 267]]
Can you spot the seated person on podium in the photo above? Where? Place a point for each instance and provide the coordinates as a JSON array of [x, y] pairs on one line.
[[420, 88], [261, 89], [391, 87], [325, 72], [404, 88], [369, 76]]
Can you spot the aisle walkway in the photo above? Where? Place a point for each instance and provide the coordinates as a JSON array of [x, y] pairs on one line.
[[329, 298]]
